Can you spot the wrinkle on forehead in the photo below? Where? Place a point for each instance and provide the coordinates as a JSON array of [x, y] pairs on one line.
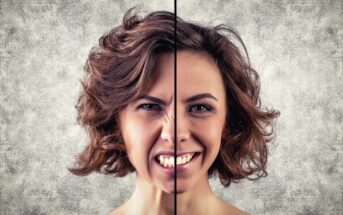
[[170, 101], [162, 85]]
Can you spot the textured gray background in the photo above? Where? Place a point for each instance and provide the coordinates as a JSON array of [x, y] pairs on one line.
[[295, 45]]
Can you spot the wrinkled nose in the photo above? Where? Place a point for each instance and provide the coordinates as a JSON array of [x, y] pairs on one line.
[[168, 130]]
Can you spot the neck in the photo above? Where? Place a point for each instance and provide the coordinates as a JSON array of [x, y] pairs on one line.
[[197, 200], [148, 199]]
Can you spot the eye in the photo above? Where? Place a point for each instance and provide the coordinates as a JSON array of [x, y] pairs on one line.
[[150, 107], [200, 108]]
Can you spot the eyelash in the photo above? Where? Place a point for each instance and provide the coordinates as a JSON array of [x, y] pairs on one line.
[[156, 107], [205, 108], [150, 107]]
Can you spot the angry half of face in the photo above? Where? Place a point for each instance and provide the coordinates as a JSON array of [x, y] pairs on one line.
[[147, 128]]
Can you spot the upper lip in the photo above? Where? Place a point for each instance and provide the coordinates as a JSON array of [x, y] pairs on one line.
[[171, 153]]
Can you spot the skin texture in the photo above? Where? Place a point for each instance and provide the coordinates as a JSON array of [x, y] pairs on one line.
[[148, 128], [199, 122], [199, 128]]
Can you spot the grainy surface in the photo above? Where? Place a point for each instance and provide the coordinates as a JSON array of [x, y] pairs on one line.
[[295, 45]]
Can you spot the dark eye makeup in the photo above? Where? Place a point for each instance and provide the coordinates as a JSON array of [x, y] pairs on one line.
[[150, 107], [193, 109], [201, 108]]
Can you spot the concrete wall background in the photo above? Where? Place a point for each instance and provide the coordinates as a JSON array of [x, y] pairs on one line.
[[296, 46]]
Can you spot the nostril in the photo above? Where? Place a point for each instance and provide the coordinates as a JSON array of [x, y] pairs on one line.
[[182, 137]]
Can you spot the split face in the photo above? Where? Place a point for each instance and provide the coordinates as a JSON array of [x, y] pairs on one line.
[[148, 124]]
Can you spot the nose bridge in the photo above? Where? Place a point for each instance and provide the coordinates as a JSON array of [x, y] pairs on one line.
[[168, 129], [182, 127]]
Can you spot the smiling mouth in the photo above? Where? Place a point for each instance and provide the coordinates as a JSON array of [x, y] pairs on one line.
[[168, 161]]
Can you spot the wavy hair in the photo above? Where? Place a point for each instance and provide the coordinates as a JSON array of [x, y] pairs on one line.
[[117, 72], [121, 67]]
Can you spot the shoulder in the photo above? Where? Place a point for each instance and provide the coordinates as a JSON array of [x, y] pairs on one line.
[[117, 211], [224, 208], [230, 209]]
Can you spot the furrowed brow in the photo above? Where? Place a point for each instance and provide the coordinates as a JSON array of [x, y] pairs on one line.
[[152, 99]]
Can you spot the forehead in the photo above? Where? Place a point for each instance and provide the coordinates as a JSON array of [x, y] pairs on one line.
[[164, 67], [162, 85], [198, 73]]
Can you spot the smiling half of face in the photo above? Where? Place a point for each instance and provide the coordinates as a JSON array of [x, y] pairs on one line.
[[147, 128], [201, 112]]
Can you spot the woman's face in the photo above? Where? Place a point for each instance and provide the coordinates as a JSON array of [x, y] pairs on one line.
[[201, 113], [147, 124]]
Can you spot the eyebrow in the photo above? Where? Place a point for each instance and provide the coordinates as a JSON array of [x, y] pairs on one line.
[[152, 99], [200, 96]]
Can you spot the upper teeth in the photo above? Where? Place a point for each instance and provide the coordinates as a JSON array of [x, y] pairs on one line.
[[168, 161]]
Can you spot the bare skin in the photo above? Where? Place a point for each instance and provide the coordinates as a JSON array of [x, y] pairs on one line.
[[199, 130], [201, 200], [147, 199]]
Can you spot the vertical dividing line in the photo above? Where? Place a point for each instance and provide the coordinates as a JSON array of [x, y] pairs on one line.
[[175, 137]]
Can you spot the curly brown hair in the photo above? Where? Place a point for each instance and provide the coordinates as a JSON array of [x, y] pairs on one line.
[[121, 68]]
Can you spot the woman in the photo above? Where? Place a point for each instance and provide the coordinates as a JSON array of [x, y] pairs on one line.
[[127, 106]]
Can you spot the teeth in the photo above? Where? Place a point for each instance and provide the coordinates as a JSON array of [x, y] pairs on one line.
[[168, 161]]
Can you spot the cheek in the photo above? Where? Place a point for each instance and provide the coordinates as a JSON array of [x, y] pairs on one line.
[[209, 133], [135, 134], [138, 134]]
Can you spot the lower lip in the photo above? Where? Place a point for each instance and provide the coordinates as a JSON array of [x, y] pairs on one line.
[[167, 170], [179, 168], [185, 167]]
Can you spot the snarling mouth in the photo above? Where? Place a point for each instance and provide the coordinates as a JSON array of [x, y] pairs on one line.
[[168, 161]]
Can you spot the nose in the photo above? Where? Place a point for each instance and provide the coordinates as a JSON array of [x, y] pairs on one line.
[[167, 133], [182, 131]]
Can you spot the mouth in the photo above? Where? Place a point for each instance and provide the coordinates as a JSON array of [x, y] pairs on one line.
[[168, 161]]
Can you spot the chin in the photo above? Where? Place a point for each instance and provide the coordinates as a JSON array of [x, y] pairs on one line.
[[168, 190], [183, 187]]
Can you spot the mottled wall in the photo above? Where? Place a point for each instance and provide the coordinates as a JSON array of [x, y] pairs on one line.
[[297, 48], [295, 45]]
